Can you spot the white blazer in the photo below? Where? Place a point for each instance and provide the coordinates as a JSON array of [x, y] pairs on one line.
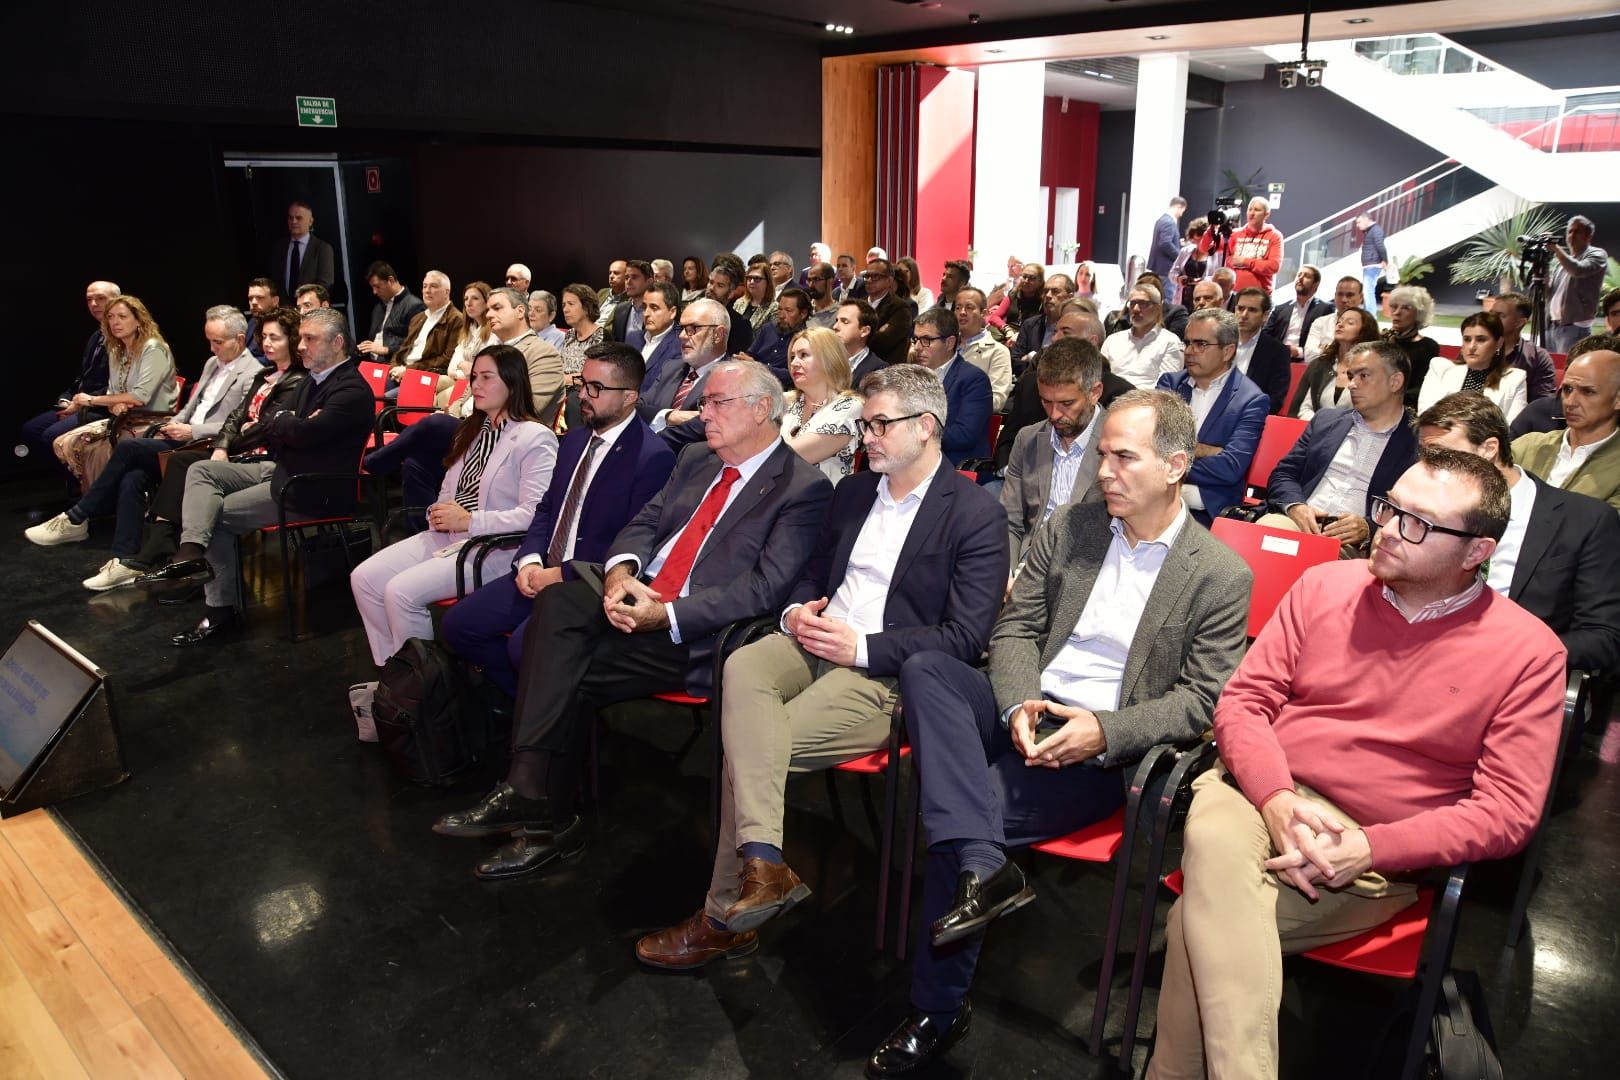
[[1446, 377], [514, 481]]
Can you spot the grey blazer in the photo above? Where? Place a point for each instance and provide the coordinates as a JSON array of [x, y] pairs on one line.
[[238, 377], [1186, 647], [1027, 481]]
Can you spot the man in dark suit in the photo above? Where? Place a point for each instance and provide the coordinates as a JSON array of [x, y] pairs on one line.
[[1290, 322], [626, 324], [854, 324], [607, 469], [1259, 356], [892, 337], [770, 346], [909, 559], [1024, 406], [1123, 625], [967, 388], [1230, 410], [669, 401], [301, 257], [724, 540], [1036, 332], [661, 341], [1560, 556], [391, 318], [726, 286], [322, 433], [1308, 494], [1166, 238], [41, 431]]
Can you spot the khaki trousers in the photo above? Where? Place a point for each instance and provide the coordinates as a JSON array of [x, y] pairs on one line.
[[784, 711], [1228, 933], [1283, 521]]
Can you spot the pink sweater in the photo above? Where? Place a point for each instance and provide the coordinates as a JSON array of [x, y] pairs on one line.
[[1437, 737]]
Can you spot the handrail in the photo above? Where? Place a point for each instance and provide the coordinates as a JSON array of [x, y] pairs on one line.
[[1381, 191]]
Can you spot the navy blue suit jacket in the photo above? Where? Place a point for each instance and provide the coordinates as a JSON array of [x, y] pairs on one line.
[[948, 582], [1031, 340], [667, 352], [1270, 370], [1302, 468], [967, 407], [1235, 424], [1166, 245], [770, 348], [632, 472]]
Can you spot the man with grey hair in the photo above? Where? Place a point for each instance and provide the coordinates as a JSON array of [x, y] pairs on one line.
[[41, 431], [907, 560], [323, 432], [1254, 251], [1229, 408], [518, 277], [670, 395], [1576, 282], [663, 271], [780, 267], [1125, 622], [543, 318], [724, 540], [433, 334], [1145, 350]]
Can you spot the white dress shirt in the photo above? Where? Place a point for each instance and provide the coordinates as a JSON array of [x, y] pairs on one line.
[[1066, 466], [420, 344], [1140, 361], [1088, 670], [1245, 353], [652, 343], [746, 469], [1571, 459], [1343, 487], [1203, 400], [1503, 561], [608, 437], [1296, 322], [204, 397]]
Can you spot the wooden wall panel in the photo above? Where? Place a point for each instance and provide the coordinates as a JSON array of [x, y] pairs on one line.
[[848, 155]]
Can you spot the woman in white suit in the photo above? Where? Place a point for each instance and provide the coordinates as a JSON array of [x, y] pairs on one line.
[[500, 464], [1484, 369]]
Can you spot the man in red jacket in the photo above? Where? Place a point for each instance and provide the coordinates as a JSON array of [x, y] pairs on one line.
[[1398, 734], [1254, 252]]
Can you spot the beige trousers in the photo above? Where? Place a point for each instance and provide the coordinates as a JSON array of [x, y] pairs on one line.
[[784, 711], [1228, 933], [1283, 521]]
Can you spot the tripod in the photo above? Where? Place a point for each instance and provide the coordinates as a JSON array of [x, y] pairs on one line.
[[1533, 269]]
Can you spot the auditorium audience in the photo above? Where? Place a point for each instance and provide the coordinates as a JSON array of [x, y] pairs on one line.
[[1078, 320], [41, 431], [1483, 369], [1290, 322], [771, 343], [820, 284], [1259, 355], [663, 272], [475, 332], [1189, 267], [1035, 332], [726, 288], [758, 302], [431, 338], [518, 277], [613, 293], [1324, 386], [648, 624], [1021, 300], [952, 281], [671, 400], [819, 421], [310, 297], [780, 266], [937, 342], [660, 302], [1411, 308], [1254, 251], [1123, 626], [1611, 312], [892, 338], [1585, 456], [1206, 296], [1523, 353], [263, 295], [1319, 339], [854, 325], [909, 276], [978, 347], [1226, 280], [1379, 725], [391, 318], [1145, 350]]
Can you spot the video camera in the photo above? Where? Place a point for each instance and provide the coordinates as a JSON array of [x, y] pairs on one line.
[[1535, 252], [1223, 217]]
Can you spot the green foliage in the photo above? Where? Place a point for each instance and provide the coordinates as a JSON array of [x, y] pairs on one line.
[[1611, 277], [1492, 255], [1412, 269]]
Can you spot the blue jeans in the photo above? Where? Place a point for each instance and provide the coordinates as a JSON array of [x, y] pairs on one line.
[[130, 473], [39, 432], [1561, 339], [1369, 286]]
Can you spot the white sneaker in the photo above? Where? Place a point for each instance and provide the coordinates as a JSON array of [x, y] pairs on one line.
[[112, 574], [360, 695], [58, 530]]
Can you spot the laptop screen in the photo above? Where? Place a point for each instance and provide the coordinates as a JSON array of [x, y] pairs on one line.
[[41, 686]]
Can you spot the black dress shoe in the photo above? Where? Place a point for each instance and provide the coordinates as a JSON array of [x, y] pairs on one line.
[[500, 812], [177, 571], [917, 1043], [211, 626], [533, 850], [979, 903]]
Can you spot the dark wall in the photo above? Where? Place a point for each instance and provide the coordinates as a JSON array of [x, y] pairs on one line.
[[1115, 133], [1564, 61]]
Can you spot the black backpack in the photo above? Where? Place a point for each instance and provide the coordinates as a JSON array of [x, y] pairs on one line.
[[1462, 1045], [428, 718]]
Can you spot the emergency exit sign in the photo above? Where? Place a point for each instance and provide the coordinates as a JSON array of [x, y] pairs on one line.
[[317, 112]]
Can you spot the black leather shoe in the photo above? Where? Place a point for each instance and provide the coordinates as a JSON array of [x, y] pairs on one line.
[[533, 850], [980, 903], [177, 571], [211, 626], [916, 1044], [500, 812]]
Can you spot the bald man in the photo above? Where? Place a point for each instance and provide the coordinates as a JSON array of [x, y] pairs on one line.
[[42, 430], [1585, 456], [1254, 252]]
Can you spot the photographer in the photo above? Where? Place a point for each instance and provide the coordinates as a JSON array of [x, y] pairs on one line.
[[1576, 282], [1254, 252]]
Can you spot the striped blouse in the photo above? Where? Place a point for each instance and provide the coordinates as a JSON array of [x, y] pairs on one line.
[[472, 466]]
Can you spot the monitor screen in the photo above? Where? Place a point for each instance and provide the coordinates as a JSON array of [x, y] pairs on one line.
[[42, 684]]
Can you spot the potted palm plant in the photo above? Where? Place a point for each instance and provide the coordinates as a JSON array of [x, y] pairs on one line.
[[1494, 253]]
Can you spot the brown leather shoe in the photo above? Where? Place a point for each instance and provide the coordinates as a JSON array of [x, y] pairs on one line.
[[692, 944], [768, 890]]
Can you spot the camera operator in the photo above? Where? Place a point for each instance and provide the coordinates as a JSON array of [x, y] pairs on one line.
[[1576, 282], [1254, 252]]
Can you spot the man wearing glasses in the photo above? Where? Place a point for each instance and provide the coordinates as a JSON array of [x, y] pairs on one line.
[[781, 267], [669, 396], [1345, 457], [1379, 725], [893, 334], [967, 388], [1143, 351], [607, 469], [908, 560], [725, 539]]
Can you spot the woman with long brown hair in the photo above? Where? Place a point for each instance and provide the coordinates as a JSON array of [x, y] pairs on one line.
[[140, 370], [1484, 368], [1324, 385]]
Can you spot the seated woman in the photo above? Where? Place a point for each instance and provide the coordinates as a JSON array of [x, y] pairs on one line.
[[475, 335], [1410, 309], [757, 304], [273, 389], [1323, 385], [499, 465], [1484, 369], [694, 279], [920, 295], [822, 409]]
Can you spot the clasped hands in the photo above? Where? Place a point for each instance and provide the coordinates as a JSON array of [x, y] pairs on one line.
[[1345, 528], [1313, 846], [448, 517], [832, 640], [1079, 739], [630, 605]]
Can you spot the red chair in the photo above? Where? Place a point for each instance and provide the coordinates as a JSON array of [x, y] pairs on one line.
[[458, 389], [995, 431], [417, 389], [179, 388], [1451, 352], [376, 374], [1277, 556], [1296, 373], [1279, 437]]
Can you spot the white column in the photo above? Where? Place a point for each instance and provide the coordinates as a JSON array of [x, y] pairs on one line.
[[1009, 216], [1161, 115]]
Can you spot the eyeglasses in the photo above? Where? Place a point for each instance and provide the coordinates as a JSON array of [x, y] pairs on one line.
[[879, 425], [878, 274], [1198, 343], [925, 341], [755, 278], [707, 402], [1138, 303], [688, 329], [593, 389], [1413, 529], [781, 262]]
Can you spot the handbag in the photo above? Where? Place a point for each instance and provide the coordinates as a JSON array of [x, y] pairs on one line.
[[331, 553]]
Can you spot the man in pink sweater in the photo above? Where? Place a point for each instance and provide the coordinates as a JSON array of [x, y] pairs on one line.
[[1414, 724]]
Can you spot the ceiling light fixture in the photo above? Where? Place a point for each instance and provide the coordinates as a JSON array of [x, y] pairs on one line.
[[1158, 37], [839, 28], [1289, 74], [995, 52], [1361, 21]]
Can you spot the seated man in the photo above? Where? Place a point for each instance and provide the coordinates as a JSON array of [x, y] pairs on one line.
[[391, 318], [1229, 409], [1143, 351], [1585, 457], [322, 433], [937, 340], [310, 297], [41, 431], [648, 625], [1559, 558], [909, 560], [1380, 724], [607, 469], [1290, 323], [1037, 331], [854, 325], [1124, 624], [1259, 356], [978, 347], [433, 334], [1345, 458], [669, 399], [1347, 294], [771, 343], [1054, 463], [660, 341], [1541, 374]]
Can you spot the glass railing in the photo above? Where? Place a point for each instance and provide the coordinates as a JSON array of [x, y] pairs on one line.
[[1422, 54], [1588, 121]]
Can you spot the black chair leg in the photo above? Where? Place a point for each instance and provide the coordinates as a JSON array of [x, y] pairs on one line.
[[913, 815], [891, 784], [286, 586]]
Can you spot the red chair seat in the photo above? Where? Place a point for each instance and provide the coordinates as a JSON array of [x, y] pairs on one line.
[[1095, 843], [1277, 557], [675, 697], [1393, 949], [875, 762], [310, 523]]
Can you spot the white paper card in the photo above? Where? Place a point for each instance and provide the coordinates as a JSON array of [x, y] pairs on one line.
[[1279, 545]]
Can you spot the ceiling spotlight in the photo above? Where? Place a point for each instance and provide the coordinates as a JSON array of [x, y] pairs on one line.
[[1358, 21], [1158, 37], [831, 28], [849, 29]]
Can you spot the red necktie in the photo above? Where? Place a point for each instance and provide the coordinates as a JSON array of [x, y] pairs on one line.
[[685, 388], [677, 568]]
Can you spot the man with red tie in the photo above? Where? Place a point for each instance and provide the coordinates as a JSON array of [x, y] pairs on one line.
[[726, 539]]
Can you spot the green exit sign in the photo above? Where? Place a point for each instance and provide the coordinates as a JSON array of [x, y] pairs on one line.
[[317, 112]]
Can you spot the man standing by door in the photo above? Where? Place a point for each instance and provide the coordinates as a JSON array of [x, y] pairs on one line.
[[301, 257]]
